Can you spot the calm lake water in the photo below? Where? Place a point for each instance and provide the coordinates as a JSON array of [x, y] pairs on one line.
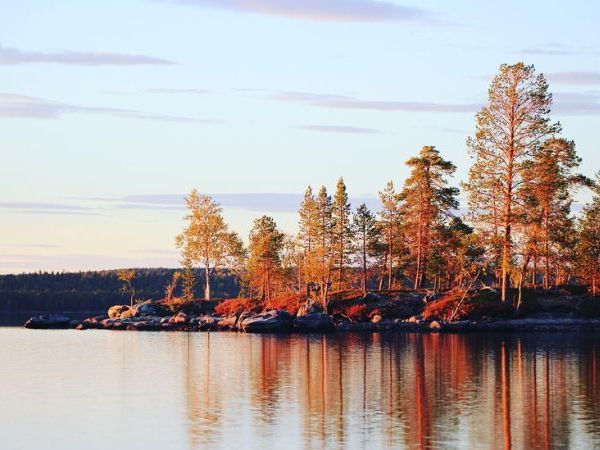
[[99, 390]]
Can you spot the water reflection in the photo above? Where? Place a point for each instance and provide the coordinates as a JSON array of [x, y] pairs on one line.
[[59, 389], [398, 390]]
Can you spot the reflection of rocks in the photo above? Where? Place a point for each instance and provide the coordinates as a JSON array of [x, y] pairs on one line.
[[315, 322], [46, 322], [271, 321]]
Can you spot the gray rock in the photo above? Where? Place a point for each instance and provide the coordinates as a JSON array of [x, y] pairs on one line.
[[315, 322], [149, 308], [228, 323], [180, 318], [208, 323], [47, 322], [309, 307], [271, 321]]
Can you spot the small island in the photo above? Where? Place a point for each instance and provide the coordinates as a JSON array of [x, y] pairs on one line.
[[518, 257]]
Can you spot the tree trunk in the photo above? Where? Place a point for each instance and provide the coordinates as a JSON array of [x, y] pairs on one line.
[[206, 282], [506, 239], [390, 262], [546, 251], [364, 261]]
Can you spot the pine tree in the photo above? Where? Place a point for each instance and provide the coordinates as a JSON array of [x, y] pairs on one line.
[[588, 249], [427, 202], [510, 130], [324, 243], [365, 235], [308, 239], [264, 262], [390, 223], [548, 183], [341, 231]]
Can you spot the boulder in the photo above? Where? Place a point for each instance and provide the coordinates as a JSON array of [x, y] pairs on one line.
[[227, 323], [180, 318], [47, 322], [435, 325], [128, 314], [309, 307], [376, 318], [114, 312], [315, 322], [208, 323], [149, 308], [271, 321]]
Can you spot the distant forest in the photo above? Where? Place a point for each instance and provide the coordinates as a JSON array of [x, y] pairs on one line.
[[92, 291]]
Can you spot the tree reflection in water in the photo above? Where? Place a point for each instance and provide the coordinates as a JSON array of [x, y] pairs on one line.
[[393, 390]]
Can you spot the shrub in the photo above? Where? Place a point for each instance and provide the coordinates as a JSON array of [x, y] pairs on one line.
[[474, 306], [290, 303], [356, 313], [235, 306]]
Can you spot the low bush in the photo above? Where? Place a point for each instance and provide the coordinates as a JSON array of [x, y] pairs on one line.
[[235, 306], [357, 313], [290, 303], [475, 306]]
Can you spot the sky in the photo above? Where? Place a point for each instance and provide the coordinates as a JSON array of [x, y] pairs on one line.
[[110, 112]]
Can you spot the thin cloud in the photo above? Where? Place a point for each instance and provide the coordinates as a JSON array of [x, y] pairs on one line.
[[587, 103], [322, 10], [274, 202], [338, 129], [347, 102], [10, 56], [177, 91], [47, 208], [22, 106], [574, 77]]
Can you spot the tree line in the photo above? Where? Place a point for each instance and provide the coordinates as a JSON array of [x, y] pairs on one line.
[[519, 229]]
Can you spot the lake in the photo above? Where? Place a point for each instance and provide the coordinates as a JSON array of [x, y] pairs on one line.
[[101, 389]]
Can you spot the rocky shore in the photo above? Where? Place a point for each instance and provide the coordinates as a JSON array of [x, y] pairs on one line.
[[279, 321]]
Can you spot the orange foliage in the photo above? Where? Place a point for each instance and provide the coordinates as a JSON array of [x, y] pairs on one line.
[[235, 306], [357, 312], [474, 306], [289, 302]]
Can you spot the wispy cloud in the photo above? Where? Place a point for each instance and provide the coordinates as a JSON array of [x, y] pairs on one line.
[[10, 56], [76, 262], [347, 102], [22, 106], [338, 129], [558, 49], [574, 77], [274, 202], [172, 91], [47, 208], [587, 103], [322, 10]]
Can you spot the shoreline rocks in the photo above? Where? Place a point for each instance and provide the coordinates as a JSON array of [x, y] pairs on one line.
[[309, 320]]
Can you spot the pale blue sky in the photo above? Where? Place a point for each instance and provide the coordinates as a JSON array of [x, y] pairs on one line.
[[111, 111]]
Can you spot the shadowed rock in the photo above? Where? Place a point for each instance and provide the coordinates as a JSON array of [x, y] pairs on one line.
[[271, 321], [316, 322], [46, 322]]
